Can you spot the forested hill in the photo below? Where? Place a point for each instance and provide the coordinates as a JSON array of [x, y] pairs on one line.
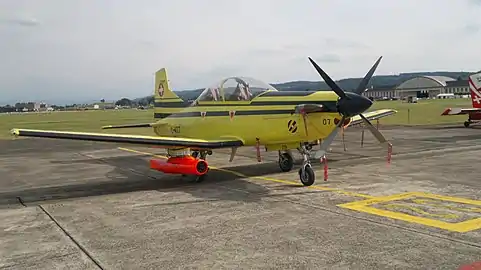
[[347, 84]]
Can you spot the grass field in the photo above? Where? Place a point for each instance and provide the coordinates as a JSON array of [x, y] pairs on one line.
[[425, 112]]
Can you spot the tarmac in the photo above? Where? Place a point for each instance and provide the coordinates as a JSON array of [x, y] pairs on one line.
[[83, 205]]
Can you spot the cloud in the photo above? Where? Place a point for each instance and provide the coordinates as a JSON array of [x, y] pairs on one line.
[[328, 58], [472, 28], [108, 48], [25, 22], [344, 43], [475, 2]]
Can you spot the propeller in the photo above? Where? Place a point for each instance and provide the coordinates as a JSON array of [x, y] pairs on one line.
[[348, 105]]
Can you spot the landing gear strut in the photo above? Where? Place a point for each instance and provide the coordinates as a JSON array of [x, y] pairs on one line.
[[306, 173]]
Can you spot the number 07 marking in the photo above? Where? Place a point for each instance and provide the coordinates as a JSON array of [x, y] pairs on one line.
[[326, 121]]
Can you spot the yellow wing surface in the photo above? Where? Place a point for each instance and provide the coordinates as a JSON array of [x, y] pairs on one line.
[[372, 115], [167, 142]]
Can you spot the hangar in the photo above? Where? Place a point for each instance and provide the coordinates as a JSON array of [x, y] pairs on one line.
[[421, 87]]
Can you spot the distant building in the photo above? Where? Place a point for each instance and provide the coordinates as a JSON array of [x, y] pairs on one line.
[[420, 87]]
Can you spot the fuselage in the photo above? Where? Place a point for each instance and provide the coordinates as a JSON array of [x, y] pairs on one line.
[[268, 117]]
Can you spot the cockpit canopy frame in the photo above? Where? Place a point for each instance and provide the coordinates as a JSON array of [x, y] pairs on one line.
[[234, 89]]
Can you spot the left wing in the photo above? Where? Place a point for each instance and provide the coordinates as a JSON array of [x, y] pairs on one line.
[[460, 111], [372, 115], [167, 142]]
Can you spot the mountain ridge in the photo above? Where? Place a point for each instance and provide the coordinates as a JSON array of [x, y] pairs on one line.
[[349, 84]]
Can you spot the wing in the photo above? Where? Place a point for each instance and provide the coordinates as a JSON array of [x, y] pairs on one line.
[[167, 142], [372, 115], [460, 111]]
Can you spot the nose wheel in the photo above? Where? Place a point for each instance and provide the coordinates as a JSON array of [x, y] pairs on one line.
[[306, 173]]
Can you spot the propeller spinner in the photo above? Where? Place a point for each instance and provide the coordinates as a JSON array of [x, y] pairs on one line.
[[350, 104]]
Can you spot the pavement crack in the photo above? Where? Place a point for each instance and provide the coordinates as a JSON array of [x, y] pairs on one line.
[[83, 249], [19, 199]]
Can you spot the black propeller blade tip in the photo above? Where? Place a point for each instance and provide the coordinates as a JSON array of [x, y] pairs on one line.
[[330, 82]]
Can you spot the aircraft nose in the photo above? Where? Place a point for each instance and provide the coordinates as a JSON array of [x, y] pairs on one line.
[[365, 103], [355, 104]]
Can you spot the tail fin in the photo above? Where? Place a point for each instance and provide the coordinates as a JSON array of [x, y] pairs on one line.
[[166, 102], [475, 88]]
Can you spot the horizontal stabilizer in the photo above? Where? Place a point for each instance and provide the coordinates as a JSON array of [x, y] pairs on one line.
[[461, 111], [128, 126]]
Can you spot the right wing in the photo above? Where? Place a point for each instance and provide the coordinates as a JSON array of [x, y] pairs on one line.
[[373, 115], [167, 142], [461, 111]]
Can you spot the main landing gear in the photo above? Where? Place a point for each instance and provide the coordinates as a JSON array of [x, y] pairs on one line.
[[203, 156], [306, 173]]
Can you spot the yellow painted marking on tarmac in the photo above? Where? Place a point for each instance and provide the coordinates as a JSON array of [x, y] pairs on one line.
[[440, 205], [344, 192], [418, 210], [465, 226]]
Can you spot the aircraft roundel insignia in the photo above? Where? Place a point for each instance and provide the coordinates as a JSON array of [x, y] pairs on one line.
[[292, 126], [160, 90], [231, 114], [202, 114]]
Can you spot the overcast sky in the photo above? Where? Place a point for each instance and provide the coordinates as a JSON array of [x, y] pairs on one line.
[[64, 50]]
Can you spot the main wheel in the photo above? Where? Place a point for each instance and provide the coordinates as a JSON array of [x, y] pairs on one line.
[[466, 124], [199, 179], [286, 162], [308, 177]]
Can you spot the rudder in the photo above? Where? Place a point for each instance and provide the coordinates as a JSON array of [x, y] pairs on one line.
[[166, 102], [475, 89]]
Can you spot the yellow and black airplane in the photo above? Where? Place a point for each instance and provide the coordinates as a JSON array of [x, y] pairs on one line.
[[241, 112]]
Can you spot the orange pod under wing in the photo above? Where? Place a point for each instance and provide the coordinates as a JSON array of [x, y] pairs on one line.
[[180, 165]]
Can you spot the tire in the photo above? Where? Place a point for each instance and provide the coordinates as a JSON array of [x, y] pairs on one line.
[[286, 162], [309, 176], [200, 179], [466, 124]]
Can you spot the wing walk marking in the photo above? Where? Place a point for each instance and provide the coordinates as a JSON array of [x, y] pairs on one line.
[[344, 192]]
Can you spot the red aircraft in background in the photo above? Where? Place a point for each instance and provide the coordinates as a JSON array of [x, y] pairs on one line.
[[474, 113]]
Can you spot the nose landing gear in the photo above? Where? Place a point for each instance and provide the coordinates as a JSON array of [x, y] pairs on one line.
[[306, 173]]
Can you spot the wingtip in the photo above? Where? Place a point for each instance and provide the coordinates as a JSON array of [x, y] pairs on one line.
[[107, 127], [15, 131]]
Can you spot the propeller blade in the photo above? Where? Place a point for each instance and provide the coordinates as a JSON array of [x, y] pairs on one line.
[[374, 131], [330, 138], [365, 81], [328, 80]]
